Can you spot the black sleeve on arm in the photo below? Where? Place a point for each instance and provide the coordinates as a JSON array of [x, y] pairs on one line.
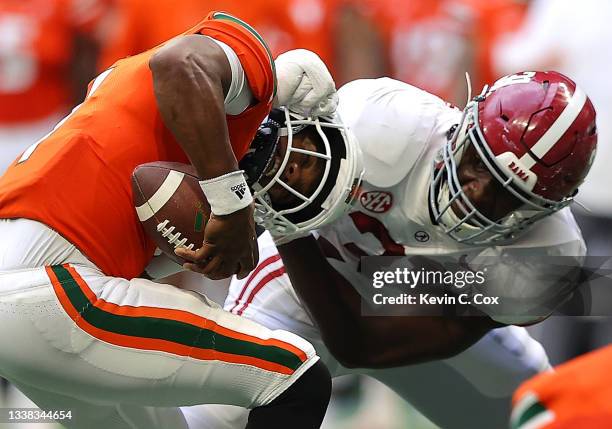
[[191, 75], [370, 342]]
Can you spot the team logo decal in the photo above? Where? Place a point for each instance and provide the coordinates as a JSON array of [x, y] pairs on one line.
[[376, 201], [200, 219], [421, 236]]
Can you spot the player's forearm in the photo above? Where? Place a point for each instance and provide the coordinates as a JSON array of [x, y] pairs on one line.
[[190, 78], [370, 342], [406, 340], [329, 298]]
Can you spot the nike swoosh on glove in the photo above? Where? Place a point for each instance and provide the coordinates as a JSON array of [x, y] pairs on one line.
[[305, 85]]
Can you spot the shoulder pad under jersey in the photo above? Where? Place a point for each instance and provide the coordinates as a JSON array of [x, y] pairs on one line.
[[393, 122]]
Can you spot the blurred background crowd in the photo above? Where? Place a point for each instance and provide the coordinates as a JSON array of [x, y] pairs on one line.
[[50, 49]]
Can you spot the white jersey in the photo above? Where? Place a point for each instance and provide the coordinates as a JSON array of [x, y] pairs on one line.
[[400, 129]]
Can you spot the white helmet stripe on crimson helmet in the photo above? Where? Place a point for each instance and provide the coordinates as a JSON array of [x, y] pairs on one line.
[[535, 133], [558, 128]]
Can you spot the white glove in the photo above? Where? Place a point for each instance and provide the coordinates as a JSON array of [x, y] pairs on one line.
[[305, 86]]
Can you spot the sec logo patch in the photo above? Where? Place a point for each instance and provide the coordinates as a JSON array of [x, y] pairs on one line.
[[376, 201]]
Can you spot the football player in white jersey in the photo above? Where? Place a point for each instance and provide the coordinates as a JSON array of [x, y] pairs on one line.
[[492, 181]]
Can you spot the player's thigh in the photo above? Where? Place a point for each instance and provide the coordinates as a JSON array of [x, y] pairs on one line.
[[268, 300], [474, 388], [139, 342]]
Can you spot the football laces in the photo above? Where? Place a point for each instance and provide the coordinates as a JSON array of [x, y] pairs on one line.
[[173, 239]]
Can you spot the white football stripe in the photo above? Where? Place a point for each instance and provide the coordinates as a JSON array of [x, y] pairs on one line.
[[536, 421], [522, 405], [161, 196], [539, 421], [554, 133]]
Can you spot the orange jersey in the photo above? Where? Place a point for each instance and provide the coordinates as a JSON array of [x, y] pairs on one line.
[[78, 179], [578, 395], [35, 52], [143, 24]]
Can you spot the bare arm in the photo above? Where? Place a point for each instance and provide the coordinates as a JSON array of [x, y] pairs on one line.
[[191, 76], [370, 342]]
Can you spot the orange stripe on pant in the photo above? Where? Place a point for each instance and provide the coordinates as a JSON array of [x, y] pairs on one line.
[[168, 314]]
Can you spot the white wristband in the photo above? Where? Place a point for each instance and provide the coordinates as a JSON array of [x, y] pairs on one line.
[[228, 193]]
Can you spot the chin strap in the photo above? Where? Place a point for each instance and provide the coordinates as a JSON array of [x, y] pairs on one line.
[[468, 81]]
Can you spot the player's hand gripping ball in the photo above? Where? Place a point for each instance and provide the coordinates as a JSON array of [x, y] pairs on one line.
[[170, 205]]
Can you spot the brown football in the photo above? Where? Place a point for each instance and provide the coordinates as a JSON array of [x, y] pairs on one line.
[[170, 205]]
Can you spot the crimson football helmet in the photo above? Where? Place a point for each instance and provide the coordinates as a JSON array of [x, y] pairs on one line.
[[536, 134]]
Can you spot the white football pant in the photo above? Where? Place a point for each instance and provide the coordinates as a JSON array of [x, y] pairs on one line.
[[126, 353]]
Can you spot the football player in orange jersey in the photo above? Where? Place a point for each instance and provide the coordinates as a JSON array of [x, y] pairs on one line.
[[121, 351], [577, 395], [48, 54]]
